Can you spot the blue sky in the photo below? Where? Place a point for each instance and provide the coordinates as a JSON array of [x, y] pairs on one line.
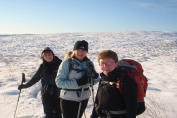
[[62, 16]]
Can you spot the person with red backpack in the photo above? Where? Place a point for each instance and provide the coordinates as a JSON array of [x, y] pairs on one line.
[[117, 92]]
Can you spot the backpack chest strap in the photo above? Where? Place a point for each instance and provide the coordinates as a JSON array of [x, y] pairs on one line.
[[78, 91], [108, 82], [118, 112]]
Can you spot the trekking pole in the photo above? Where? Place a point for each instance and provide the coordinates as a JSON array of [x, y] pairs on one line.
[[23, 80], [78, 114], [84, 114], [92, 89]]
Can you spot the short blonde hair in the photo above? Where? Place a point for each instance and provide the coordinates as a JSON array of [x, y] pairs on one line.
[[108, 54]]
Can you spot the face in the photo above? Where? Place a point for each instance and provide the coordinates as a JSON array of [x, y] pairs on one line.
[[48, 56], [107, 65], [80, 54]]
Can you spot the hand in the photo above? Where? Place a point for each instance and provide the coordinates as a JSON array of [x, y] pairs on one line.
[[91, 73], [21, 87], [82, 81], [140, 108], [100, 113]]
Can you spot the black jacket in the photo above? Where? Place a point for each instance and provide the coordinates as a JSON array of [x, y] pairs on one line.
[[46, 73], [127, 99]]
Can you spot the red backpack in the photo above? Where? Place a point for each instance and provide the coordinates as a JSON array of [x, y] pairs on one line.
[[135, 71]]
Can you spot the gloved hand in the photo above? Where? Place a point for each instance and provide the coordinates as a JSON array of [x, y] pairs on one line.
[[22, 87], [140, 108], [100, 113], [91, 73], [82, 81]]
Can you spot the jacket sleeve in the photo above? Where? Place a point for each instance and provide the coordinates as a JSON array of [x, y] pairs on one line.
[[35, 78], [62, 80], [94, 114], [130, 96], [58, 61]]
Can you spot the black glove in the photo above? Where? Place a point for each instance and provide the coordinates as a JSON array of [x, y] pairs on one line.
[[82, 81], [21, 87], [141, 108], [91, 73], [100, 113]]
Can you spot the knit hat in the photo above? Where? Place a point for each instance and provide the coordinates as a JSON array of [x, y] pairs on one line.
[[81, 45], [47, 49]]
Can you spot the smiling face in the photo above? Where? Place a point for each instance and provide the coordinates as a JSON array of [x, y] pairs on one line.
[[48, 56], [80, 54], [108, 61], [107, 65]]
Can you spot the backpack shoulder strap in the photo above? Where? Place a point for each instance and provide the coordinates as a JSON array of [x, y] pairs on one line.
[[123, 72], [70, 64]]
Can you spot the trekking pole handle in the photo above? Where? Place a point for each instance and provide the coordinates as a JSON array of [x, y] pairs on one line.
[[23, 78]]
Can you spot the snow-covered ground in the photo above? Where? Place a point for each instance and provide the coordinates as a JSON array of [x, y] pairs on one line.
[[156, 51]]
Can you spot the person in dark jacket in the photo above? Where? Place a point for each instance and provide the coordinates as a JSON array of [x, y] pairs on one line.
[[117, 104], [47, 73]]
